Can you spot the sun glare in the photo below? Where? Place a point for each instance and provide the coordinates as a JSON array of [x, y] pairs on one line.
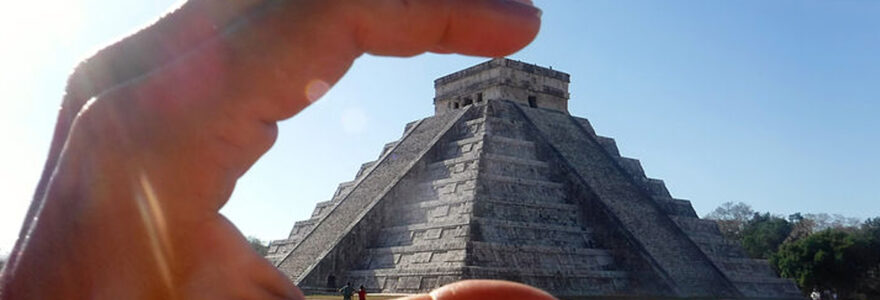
[[31, 33]]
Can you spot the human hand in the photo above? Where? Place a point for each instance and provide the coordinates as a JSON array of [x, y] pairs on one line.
[[155, 130]]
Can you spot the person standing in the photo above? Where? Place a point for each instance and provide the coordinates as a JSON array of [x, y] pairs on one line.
[[346, 291], [362, 293]]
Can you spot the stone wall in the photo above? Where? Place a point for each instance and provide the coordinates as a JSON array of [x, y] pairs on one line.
[[502, 79]]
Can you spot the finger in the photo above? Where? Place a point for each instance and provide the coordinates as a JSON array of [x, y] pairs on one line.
[[286, 55], [192, 24], [484, 290], [273, 281], [487, 28]]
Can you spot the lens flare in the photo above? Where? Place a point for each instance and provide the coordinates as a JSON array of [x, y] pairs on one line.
[[315, 89], [157, 230]]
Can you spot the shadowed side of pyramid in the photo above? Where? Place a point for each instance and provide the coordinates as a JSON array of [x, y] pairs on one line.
[[503, 183]]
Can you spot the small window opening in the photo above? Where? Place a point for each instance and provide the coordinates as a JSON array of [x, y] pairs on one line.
[[468, 101], [455, 105], [479, 97], [533, 102]]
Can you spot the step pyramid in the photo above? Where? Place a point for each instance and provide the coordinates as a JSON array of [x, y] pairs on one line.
[[503, 183]]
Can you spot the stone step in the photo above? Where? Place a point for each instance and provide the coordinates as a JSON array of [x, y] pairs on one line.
[[509, 146], [534, 204], [433, 203], [519, 256], [526, 233], [485, 222], [409, 126], [388, 147], [459, 185], [467, 147], [745, 269], [633, 166], [301, 228], [586, 125], [412, 214], [698, 228], [529, 182], [676, 207], [523, 199], [441, 251], [505, 127], [347, 223], [656, 187], [609, 145], [488, 272], [446, 225], [567, 274], [423, 196], [490, 125], [440, 245], [450, 167], [425, 233], [321, 208], [552, 214], [504, 165], [469, 128], [279, 248], [425, 259], [364, 167], [410, 280], [343, 189], [636, 213], [718, 246], [506, 187], [780, 288]]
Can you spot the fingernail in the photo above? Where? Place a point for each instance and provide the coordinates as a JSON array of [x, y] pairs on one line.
[[530, 4], [526, 2]]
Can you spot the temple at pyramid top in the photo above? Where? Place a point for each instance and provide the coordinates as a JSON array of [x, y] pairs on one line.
[[503, 183], [502, 79]]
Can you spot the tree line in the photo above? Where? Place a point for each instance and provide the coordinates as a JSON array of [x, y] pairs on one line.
[[818, 251]]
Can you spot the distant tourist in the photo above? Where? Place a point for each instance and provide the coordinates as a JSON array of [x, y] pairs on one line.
[[362, 293], [346, 291], [815, 295]]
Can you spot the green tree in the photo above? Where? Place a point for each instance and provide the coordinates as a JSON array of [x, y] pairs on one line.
[[762, 235], [869, 285], [871, 228], [731, 218], [801, 227], [258, 245], [830, 259]]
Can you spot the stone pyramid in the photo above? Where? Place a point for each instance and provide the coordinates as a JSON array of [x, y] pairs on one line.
[[503, 183]]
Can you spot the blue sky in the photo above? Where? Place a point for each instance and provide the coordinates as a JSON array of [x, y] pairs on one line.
[[772, 103]]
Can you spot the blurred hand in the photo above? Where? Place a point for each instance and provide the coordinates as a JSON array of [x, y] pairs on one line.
[[155, 130]]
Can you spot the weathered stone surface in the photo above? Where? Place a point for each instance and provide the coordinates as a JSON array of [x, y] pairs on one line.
[[502, 183]]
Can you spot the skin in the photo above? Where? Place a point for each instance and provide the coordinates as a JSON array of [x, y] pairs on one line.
[[155, 129]]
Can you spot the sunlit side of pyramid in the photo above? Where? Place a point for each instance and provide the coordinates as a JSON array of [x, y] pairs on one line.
[[503, 183]]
